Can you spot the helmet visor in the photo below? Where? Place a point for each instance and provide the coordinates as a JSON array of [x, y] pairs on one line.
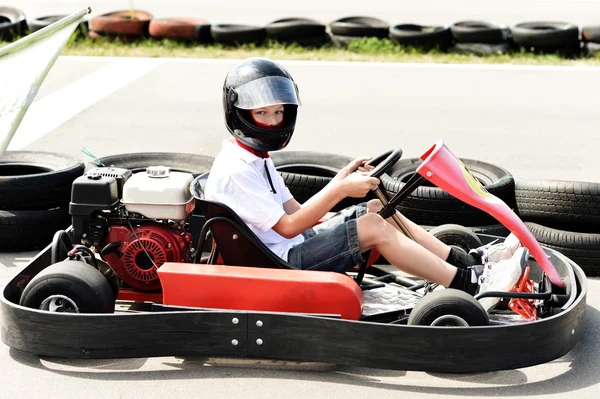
[[263, 92]]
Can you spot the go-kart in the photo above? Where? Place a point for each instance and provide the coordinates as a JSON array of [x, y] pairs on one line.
[[130, 279]]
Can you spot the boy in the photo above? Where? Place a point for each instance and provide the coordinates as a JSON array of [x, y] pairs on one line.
[[260, 101]]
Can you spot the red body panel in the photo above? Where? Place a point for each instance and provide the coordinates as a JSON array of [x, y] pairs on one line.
[[250, 288]]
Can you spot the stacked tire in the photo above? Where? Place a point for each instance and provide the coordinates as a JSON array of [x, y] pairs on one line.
[[480, 37], [547, 37], [423, 37], [35, 190], [563, 215], [347, 29]]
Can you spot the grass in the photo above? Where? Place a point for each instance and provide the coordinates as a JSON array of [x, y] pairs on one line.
[[366, 49]]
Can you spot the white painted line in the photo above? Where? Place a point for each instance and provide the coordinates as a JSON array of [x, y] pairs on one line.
[[58, 107], [409, 65]]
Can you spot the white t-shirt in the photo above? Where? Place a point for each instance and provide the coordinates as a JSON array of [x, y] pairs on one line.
[[238, 179]]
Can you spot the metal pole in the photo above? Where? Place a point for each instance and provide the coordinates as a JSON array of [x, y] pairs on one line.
[[395, 216]]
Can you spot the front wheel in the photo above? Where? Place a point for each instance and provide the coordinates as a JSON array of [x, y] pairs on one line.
[[69, 287], [448, 308]]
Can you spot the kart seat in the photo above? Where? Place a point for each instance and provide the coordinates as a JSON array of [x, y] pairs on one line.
[[236, 243]]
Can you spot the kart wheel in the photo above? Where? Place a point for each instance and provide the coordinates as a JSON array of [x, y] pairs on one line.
[[448, 308], [71, 287], [457, 236]]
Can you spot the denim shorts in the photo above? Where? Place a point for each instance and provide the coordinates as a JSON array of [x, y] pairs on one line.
[[331, 245]]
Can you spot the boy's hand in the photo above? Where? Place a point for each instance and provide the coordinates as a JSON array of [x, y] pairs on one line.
[[356, 165], [357, 185]]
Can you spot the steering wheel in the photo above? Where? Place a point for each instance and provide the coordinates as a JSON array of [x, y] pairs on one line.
[[382, 163]]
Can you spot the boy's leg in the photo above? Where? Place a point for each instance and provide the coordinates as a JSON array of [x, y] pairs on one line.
[[421, 235], [401, 251], [494, 253]]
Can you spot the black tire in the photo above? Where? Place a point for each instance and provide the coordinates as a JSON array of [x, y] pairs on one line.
[[84, 285], [591, 49], [305, 173], [41, 22], [429, 205], [482, 48], [231, 34], [568, 205], [13, 23], [295, 30], [553, 35], [26, 230], [36, 180], [427, 37], [457, 236], [360, 27], [138, 162], [582, 248], [479, 32], [344, 41], [591, 33], [448, 302]]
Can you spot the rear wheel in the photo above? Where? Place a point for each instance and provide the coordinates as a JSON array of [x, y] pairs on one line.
[[448, 308], [69, 287]]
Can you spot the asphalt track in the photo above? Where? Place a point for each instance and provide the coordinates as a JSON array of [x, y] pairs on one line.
[[260, 12], [536, 122]]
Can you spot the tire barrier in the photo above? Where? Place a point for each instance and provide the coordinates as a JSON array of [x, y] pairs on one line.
[[470, 36], [13, 23], [35, 190], [128, 23], [430, 205], [544, 37], [41, 22], [303, 31], [195, 29], [425, 37]]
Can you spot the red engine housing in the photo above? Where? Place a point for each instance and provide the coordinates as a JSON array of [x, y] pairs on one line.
[[131, 264]]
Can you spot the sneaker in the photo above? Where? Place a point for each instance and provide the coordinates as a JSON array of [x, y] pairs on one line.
[[494, 253], [502, 276]]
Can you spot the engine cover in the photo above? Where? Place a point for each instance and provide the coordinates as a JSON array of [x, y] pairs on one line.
[[131, 263]]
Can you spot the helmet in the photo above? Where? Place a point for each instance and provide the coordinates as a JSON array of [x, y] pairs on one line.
[[256, 83]]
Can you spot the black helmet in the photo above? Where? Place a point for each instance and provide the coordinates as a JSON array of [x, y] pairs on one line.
[[256, 83]]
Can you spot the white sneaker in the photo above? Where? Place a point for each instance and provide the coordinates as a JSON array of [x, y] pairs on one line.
[[494, 253], [502, 276]]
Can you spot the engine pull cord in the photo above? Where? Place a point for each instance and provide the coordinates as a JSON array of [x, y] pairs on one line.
[[141, 243]]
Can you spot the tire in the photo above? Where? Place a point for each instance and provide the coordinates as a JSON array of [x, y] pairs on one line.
[[27, 230], [427, 37], [195, 29], [32, 180], [457, 236], [546, 34], [591, 49], [289, 30], [12, 23], [448, 302], [84, 285], [591, 33], [41, 22], [305, 173], [479, 32], [560, 204], [237, 34], [582, 248], [360, 27], [138, 162], [429, 205], [482, 48], [119, 23]]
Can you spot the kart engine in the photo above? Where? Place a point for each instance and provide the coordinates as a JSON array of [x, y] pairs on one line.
[[136, 221]]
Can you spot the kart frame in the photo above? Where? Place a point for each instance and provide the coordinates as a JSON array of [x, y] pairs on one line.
[[178, 331]]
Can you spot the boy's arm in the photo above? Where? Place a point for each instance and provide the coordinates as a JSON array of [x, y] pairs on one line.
[[356, 185]]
